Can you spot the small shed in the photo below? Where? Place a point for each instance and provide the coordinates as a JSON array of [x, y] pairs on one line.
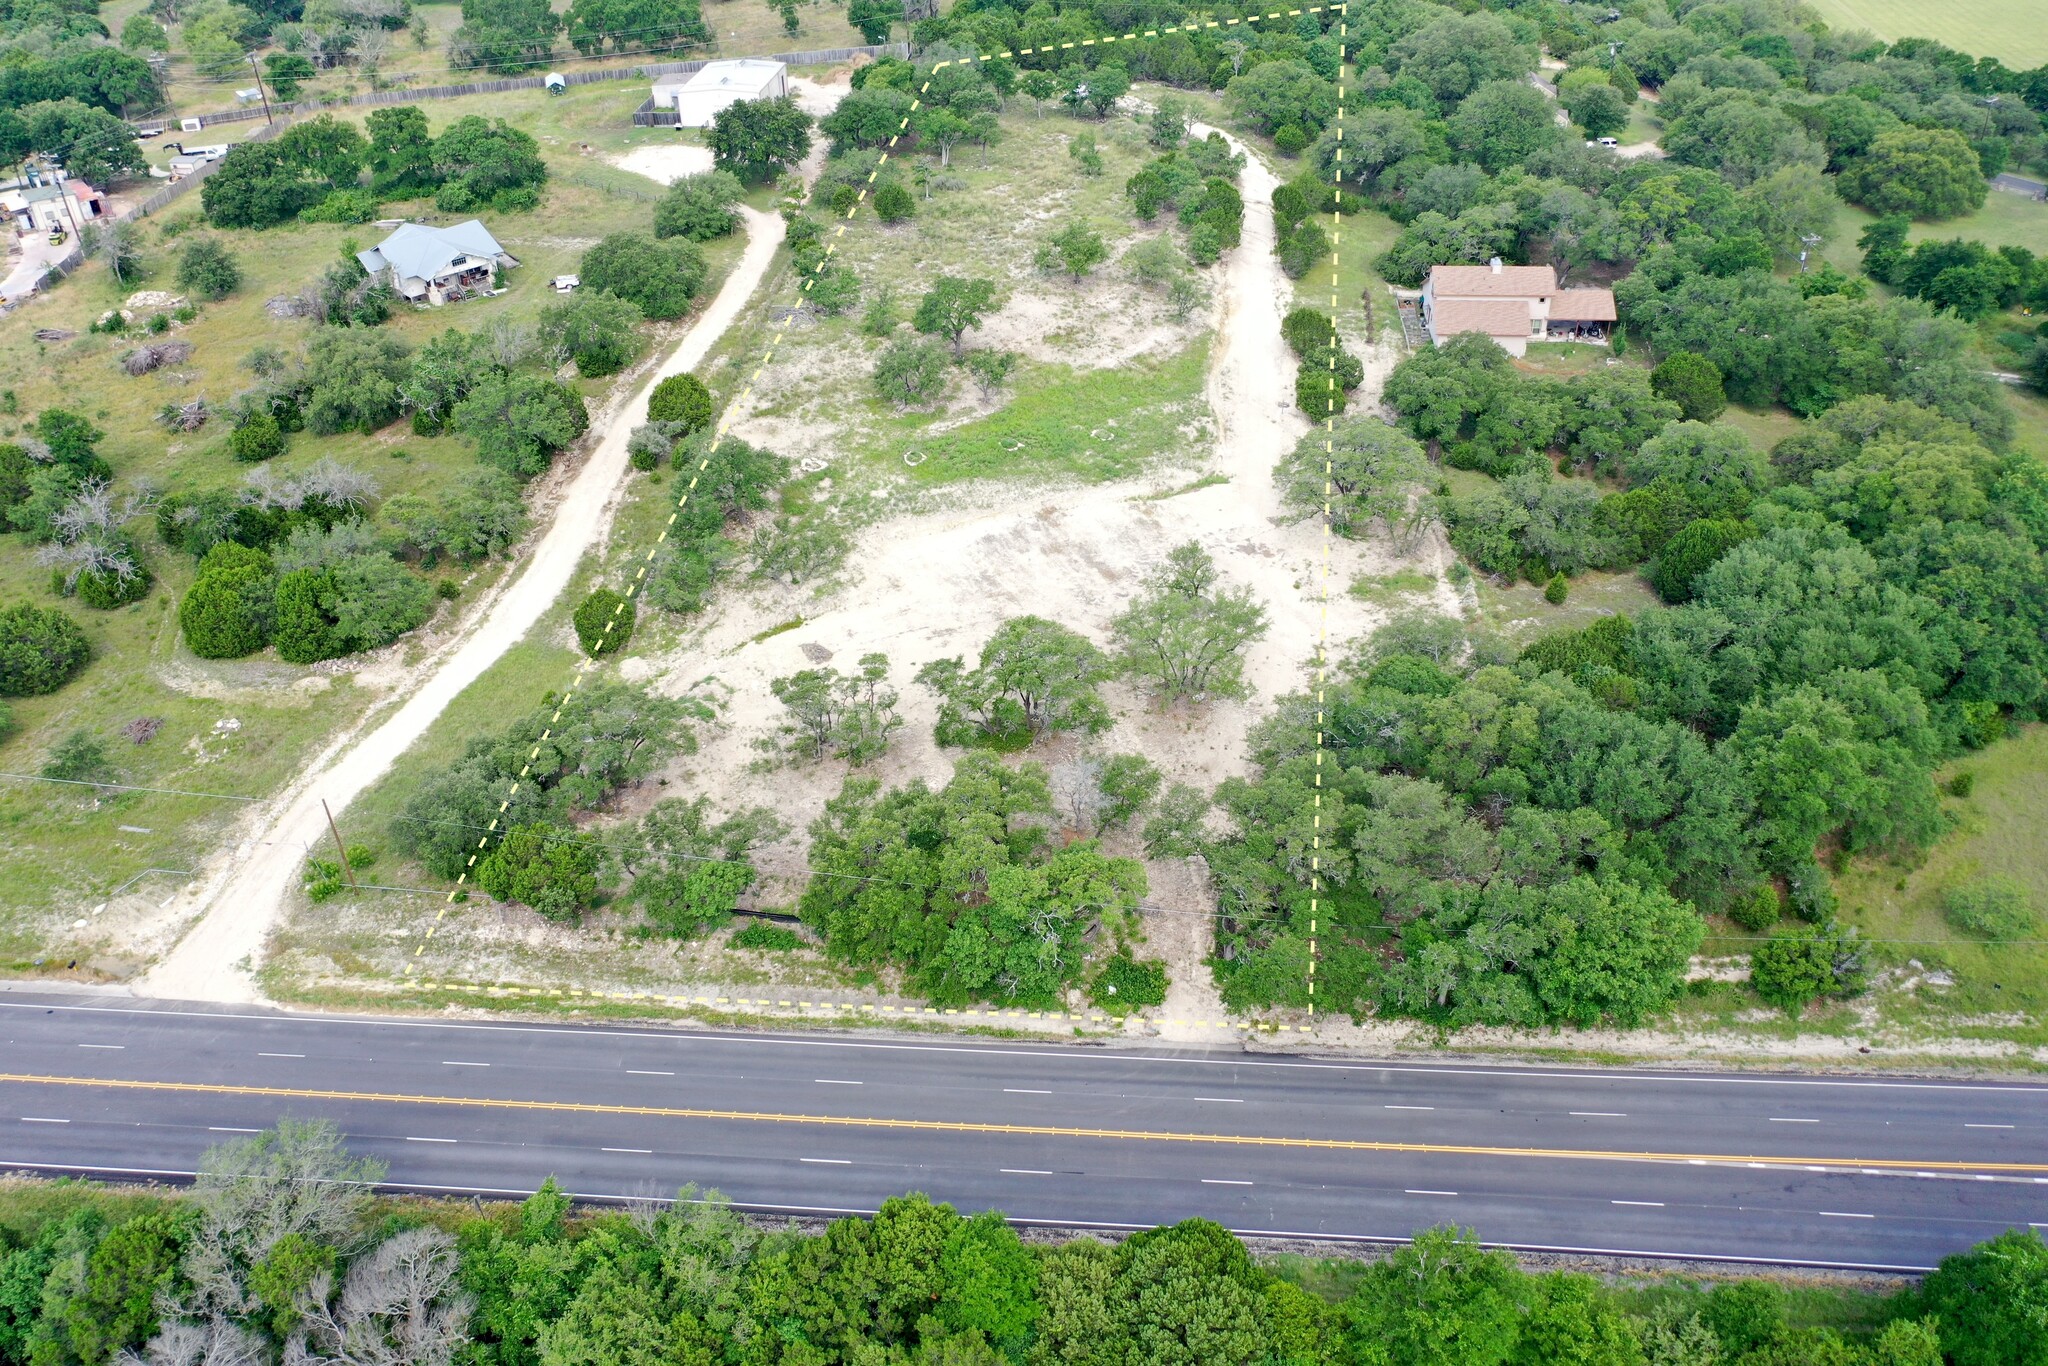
[[698, 97], [556, 82]]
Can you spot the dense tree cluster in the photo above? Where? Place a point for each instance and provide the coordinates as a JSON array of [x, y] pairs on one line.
[[315, 169], [1854, 608], [965, 887], [279, 1252], [603, 737]]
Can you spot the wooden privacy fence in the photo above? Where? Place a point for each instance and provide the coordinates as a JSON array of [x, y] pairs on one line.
[[640, 71]]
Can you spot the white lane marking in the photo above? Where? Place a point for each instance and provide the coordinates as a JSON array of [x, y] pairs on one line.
[[225, 1129], [1600, 1114], [834, 1081], [1432, 1192], [1021, 1171], [1407, 1107], [1780, 1119], [829, 1161], [1837, 1214], [1220, 1100], [775, 1041], [637, 1072], [1208, 1182], [448, 1063], [1646, 1204], [38, 1119], [280, 1055], [1023, 1091], [1987, 1126], [644, 1152], [117, 1047], [1320, 1235], [429, 1140]]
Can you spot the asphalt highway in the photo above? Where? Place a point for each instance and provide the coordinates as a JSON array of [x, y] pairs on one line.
[[1852, 1172]]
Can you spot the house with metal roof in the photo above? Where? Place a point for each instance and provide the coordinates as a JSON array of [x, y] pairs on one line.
[[698, 96], [434, 265], [1513, 305]]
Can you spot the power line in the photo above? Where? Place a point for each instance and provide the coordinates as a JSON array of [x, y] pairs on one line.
[[124, 787]]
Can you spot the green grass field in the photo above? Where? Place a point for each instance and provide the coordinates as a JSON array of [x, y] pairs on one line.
[[1997, 831], [2010, 30], [64, 852], [739, 28]]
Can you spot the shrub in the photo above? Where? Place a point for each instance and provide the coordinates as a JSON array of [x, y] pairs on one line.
[[40, 650], [303, 634], [1289, 139], [1962, 785], [208, 269], [257, 438], [910, 372], [228, 610], [1993, 907], [604, 623], [1557, 590], [1692, 552], [1315, 394], [542, 866], [762, 936], [699, 207], [1124, 984], [593, 329], [1803, 963], [660, 278], [1692, 382], [79, 758], [1757, 911], [1307, 329], [683, 399], [342, 206], [893, 203], [106, 589]]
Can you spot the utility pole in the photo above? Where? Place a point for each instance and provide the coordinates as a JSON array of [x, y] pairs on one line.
[[340, 848], [267, 119]]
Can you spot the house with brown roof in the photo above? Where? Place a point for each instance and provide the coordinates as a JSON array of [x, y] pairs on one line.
[[1514, 305]]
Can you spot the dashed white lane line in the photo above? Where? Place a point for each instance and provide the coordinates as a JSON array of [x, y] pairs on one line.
[[834, 1081], [1431, 1192], [1023, 1091], [829, 1161], [1838, 1214], [38, 1119], [227, 1129], [446, 1062], [117, 1047], [643, 1152], [280, 1055], [1408, 1107], [1021, 1171], [1220, 1100], [410, 1139], [1600, 1114], [1208, 1181], [642, 1072], [1646, 1204], [1987, 1126], [1780, 1119]]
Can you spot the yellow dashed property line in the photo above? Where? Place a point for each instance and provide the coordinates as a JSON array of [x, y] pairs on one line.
[[963, 1126], [584, 666]]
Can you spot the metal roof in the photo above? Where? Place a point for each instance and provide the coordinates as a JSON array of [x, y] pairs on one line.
[[418, 251]]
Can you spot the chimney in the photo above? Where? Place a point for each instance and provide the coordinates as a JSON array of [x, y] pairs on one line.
[[1495, 263]]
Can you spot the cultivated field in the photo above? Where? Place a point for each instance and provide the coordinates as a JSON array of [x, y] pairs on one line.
[[2010, 30]]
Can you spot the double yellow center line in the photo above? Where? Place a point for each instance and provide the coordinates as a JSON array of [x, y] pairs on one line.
[[958, 1126]]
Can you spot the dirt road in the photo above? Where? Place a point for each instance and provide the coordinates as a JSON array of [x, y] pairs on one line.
[[215, 959]]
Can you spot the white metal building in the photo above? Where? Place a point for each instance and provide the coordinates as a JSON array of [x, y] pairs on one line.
[[701, 94]]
